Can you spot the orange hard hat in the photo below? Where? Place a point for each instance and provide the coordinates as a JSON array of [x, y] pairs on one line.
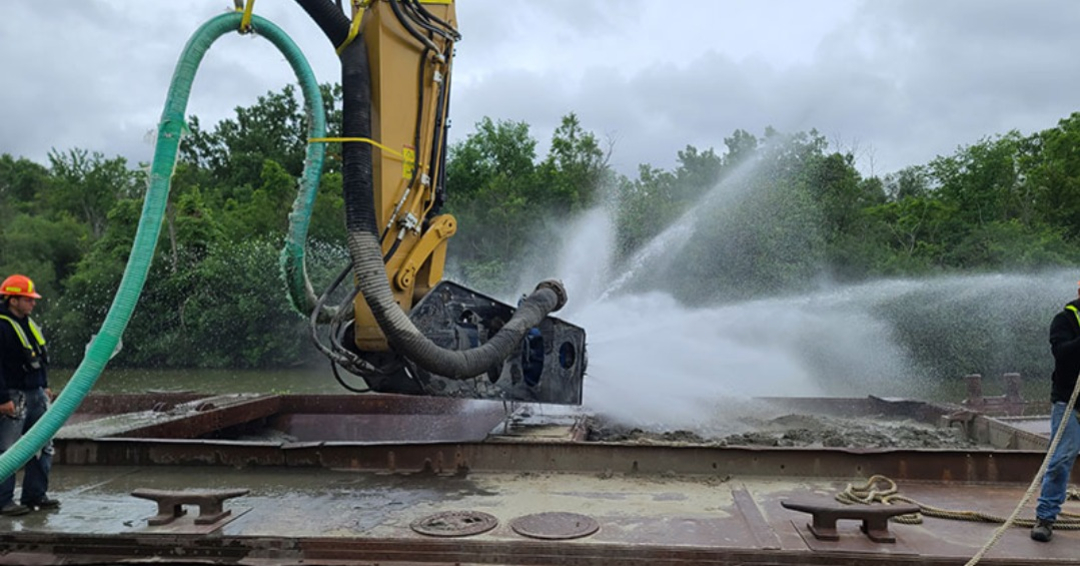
[[18, 286]]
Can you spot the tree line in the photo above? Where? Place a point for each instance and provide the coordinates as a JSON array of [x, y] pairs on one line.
[[772, 213]]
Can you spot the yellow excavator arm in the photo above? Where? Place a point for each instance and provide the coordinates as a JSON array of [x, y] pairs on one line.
[[411, 331], [408, 118]]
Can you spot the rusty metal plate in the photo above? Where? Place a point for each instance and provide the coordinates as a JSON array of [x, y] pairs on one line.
[[455, 524], [555, 525], [186, 525], [852, 540]]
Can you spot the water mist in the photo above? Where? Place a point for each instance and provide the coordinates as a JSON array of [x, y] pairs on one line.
[[657, 364]]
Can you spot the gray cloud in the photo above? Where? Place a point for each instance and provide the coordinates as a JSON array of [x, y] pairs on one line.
[[897, 82], [95, 75]]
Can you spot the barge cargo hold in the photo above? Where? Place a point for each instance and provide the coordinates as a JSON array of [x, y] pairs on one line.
[[292, 479]]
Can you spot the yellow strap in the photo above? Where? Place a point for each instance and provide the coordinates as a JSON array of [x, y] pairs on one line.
[[354, 29], [245, 22], [363, 140], [1076, 312], [18, 332], [36, 331]]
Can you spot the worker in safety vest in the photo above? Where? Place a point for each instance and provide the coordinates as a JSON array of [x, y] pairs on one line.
[[1065, 345], [24, 393]]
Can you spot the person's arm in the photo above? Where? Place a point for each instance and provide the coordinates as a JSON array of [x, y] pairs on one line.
[[45, 383], [7, 407], [1064, 343]]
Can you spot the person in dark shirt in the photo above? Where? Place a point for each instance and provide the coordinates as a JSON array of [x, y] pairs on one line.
[[1065, 346], [24, 393]]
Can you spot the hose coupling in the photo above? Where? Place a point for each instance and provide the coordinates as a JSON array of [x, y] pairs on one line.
[[556, 287]]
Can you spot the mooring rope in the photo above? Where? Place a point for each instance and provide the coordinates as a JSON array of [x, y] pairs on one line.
[[870, 493], [883, 490], [1058, 434]]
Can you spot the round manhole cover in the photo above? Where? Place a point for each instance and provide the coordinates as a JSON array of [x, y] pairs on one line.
[[555, 526], [455, 524]]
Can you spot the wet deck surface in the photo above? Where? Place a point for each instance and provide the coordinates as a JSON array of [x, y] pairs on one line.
[[343, 480], [342, 514]]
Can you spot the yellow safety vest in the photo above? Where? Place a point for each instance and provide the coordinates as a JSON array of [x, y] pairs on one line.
[[35, 357], [1076, 312]]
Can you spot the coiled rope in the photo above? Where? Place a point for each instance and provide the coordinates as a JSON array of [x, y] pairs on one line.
[[1066, 521], [883, 490]]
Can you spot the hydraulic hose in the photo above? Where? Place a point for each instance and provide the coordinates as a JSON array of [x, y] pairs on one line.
[[170, 130], [329, 18]]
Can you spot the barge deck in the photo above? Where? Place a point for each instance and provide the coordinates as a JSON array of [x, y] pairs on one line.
[[388, 480]]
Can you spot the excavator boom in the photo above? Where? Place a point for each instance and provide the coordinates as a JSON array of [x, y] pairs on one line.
[[411, 332]]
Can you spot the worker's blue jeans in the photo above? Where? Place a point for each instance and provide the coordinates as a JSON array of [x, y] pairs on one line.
[[1056, 480], [32, 404]]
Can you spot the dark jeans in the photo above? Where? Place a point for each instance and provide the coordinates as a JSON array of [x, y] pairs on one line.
[[33, 404]]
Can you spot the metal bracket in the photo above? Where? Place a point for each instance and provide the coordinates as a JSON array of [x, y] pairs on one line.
[[171, 504], [875, 518]]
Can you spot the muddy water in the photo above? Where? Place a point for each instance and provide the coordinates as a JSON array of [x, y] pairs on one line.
[[742, 424], [806, 431], [299, 381], [321, 381]]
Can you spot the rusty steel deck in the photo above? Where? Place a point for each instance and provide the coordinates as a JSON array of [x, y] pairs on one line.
[[389, 480]]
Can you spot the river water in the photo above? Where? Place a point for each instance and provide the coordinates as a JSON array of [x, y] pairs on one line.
[[123, 380]]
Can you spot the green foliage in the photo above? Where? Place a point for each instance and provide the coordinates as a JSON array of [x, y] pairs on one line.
[[226, 217], [772, 214], [236, 313], [1053, 180], [501, 196], [21, 181], [951, 332], [573, 171], [273, 129], [645, 206], [327, 216], [76, 314], [262, 211], [49, 248], [765, 237], [788, 213], [86, 186], [195, 225], [649, 204]]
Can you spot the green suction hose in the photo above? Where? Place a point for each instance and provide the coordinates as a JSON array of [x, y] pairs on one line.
[[142, 251]]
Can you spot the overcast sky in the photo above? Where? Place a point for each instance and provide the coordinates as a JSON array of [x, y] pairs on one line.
[[896, 81]]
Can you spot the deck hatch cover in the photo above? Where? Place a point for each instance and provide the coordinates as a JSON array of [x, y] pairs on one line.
[[555, 525], [455, 524]]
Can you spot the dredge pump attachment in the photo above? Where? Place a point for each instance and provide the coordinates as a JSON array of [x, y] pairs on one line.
[[402, 328], [546, 365]]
